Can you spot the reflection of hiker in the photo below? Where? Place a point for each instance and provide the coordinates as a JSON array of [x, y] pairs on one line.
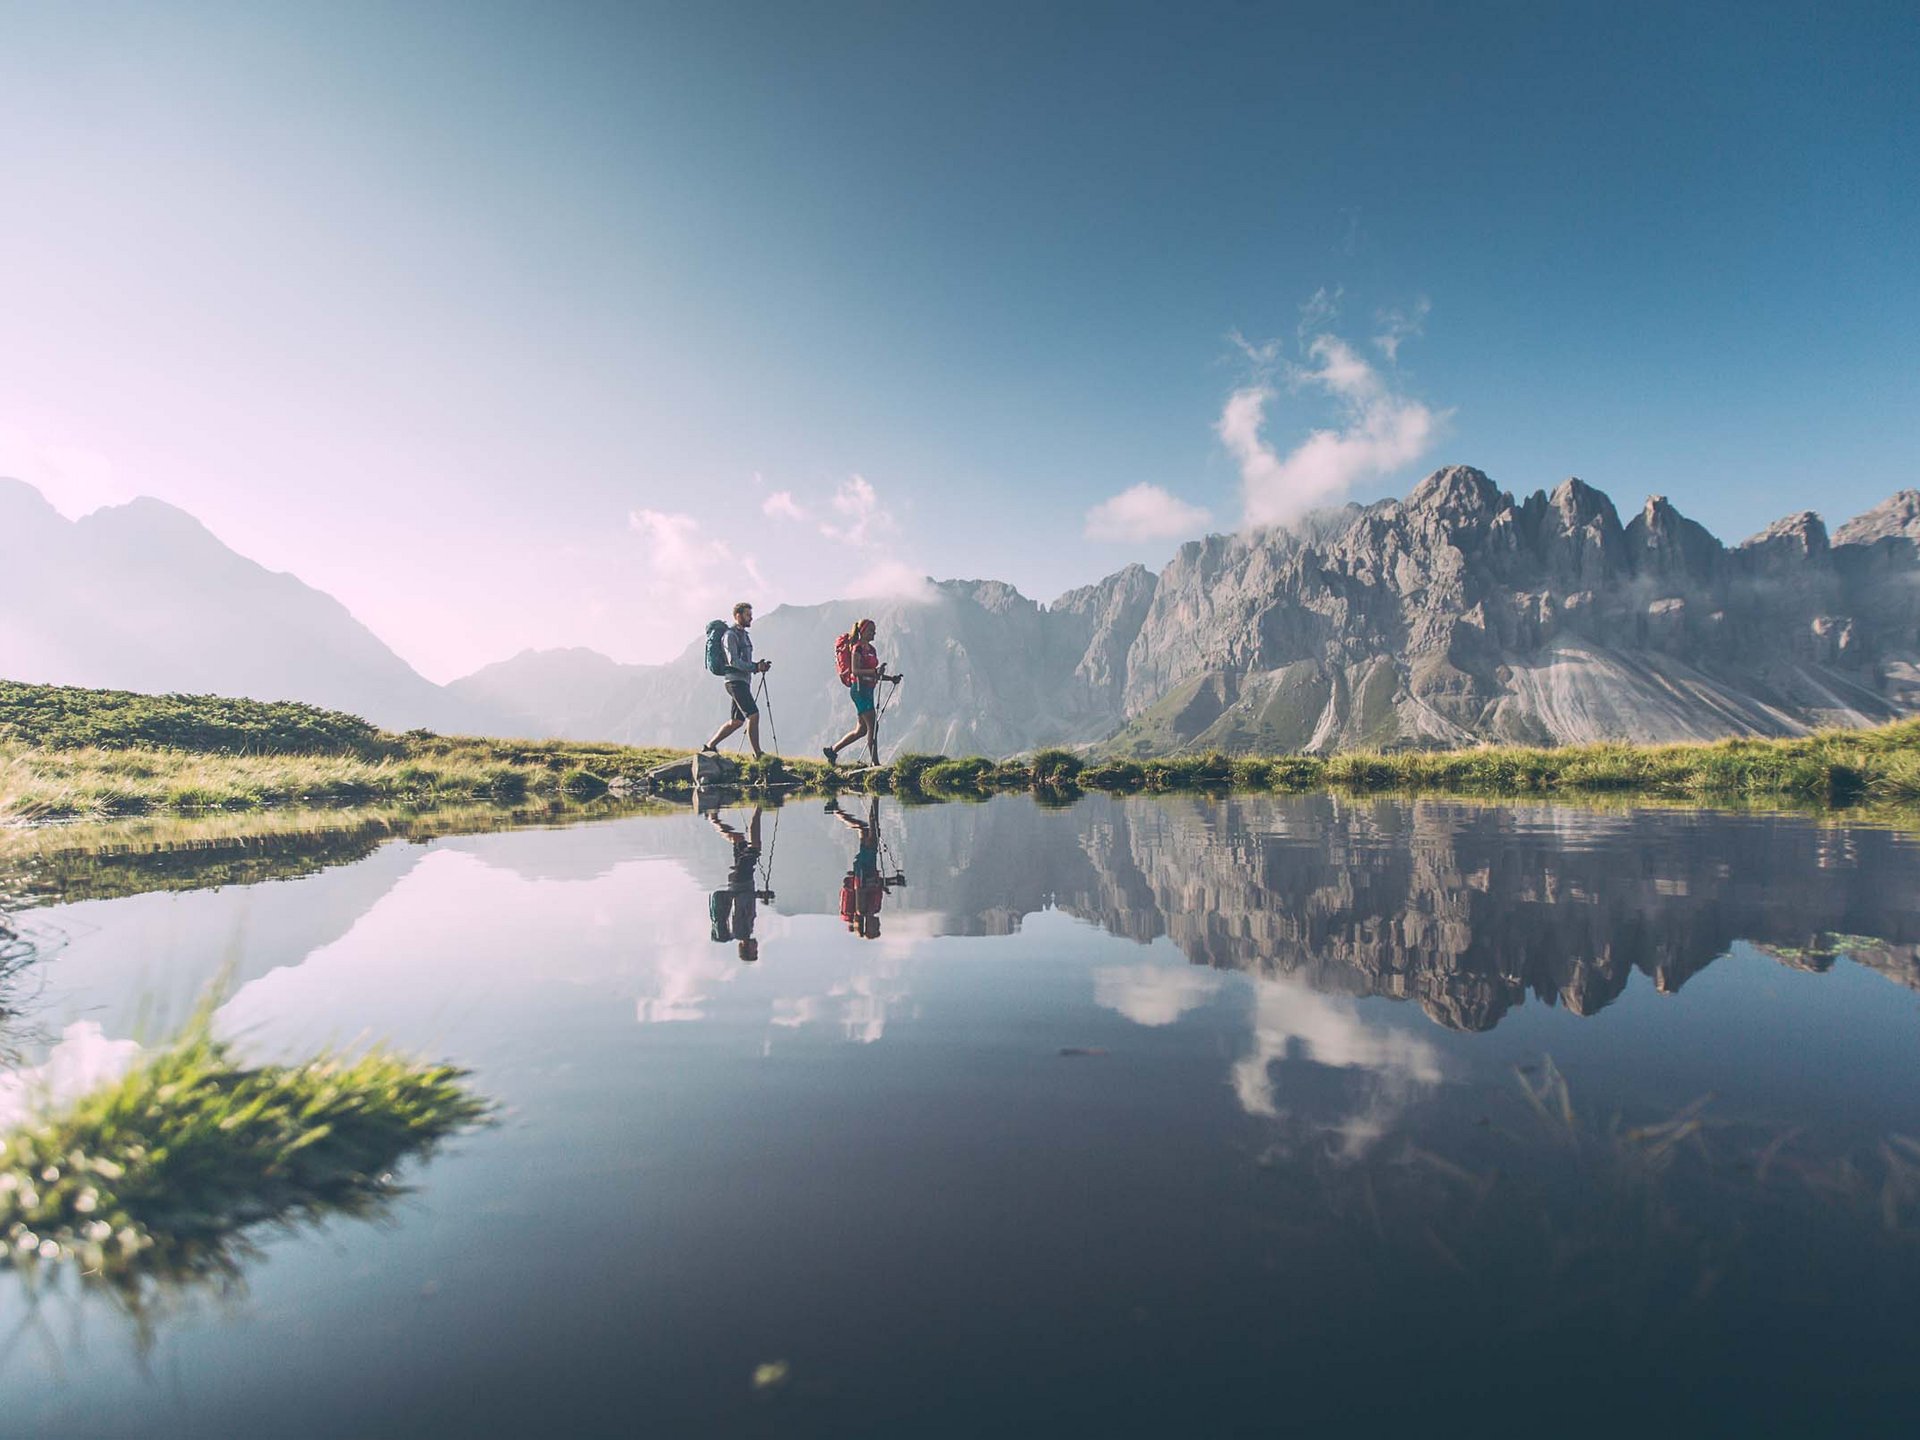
[[861, 672], [734, 909], [738, 667], [865, 886]]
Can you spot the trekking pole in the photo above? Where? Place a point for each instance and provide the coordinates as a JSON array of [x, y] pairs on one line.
[[887, 759], [773, 730]]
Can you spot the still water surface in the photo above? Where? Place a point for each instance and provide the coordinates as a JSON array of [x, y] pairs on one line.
[[1140, 1116]]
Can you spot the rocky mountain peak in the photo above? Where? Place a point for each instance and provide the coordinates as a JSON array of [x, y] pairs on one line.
[[1790, 537], [1456, 492], [1664, 543], [1896, 517], [1578, 504]]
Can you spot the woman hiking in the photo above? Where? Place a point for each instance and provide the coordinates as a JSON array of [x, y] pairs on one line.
[[860, 671]]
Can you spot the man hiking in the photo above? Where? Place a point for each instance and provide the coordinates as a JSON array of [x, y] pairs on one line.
[[861, 672], [740, 670]]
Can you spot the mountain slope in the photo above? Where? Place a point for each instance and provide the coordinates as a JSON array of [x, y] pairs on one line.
[[988, 672], [143, 597]]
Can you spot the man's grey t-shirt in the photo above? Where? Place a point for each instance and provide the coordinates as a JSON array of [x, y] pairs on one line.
[[739, 647]]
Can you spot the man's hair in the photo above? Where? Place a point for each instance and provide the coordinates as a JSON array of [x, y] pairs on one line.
[[743, 605]]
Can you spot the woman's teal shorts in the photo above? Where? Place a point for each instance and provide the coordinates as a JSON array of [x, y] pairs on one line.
[[863, 699]]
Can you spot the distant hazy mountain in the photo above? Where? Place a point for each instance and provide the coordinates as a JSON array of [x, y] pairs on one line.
[[988, 672], [1458, 614], [143, 597]]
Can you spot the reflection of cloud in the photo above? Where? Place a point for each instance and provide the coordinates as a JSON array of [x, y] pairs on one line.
[[1291, 1021], [866, 1001], [82, 1059], [870, 998], [790, 1012], [683, 987], [1153, 994]]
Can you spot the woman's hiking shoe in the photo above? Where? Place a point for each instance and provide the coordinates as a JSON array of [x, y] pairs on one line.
[[832, 758], [708, 749]]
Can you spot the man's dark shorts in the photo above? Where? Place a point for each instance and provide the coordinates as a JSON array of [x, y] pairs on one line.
[[741, 693]]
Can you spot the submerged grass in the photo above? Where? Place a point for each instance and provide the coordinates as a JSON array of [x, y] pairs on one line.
[[157, 1175]]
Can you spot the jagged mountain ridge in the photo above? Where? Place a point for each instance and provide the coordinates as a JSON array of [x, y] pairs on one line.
[[1458, 614], [1461, 614]]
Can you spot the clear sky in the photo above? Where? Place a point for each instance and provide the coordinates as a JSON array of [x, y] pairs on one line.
[[566, 323]]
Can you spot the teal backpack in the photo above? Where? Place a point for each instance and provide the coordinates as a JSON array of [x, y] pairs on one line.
[[717, 646]]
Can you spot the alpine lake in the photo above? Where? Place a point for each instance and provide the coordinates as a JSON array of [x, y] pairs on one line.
[[1190, 1115]]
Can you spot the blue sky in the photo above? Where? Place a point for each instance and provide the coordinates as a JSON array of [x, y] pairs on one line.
[[561, 324]]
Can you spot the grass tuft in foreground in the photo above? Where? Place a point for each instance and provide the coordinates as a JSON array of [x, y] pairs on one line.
[[156, 1175]]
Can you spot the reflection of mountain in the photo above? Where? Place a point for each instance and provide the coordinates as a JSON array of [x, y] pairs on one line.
[[1464, 908]]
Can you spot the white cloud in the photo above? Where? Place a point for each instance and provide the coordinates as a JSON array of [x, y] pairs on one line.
[[1399, 325], [1145, 512], [690, 574], [1320, 311], [782, 506], [893, 579], [864, 521], [1380, 432]]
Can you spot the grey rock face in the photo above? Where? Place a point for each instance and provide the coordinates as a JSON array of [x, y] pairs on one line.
[[1460, 614]]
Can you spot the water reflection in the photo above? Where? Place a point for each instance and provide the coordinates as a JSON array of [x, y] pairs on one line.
[[733, 909], [1117, 1113], [1465, 909], [864, 888]]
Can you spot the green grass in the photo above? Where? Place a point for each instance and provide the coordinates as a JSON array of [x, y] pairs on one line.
[[1834, 767], [68, 753], [65, 717], [159, 1173]]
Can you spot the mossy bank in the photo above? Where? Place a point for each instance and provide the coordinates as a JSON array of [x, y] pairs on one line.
[[68, 753]]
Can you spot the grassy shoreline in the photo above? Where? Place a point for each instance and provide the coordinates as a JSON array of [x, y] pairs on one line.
[[67, 754]]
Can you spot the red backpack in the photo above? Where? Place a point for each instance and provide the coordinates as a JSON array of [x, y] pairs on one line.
[[843, 660]]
